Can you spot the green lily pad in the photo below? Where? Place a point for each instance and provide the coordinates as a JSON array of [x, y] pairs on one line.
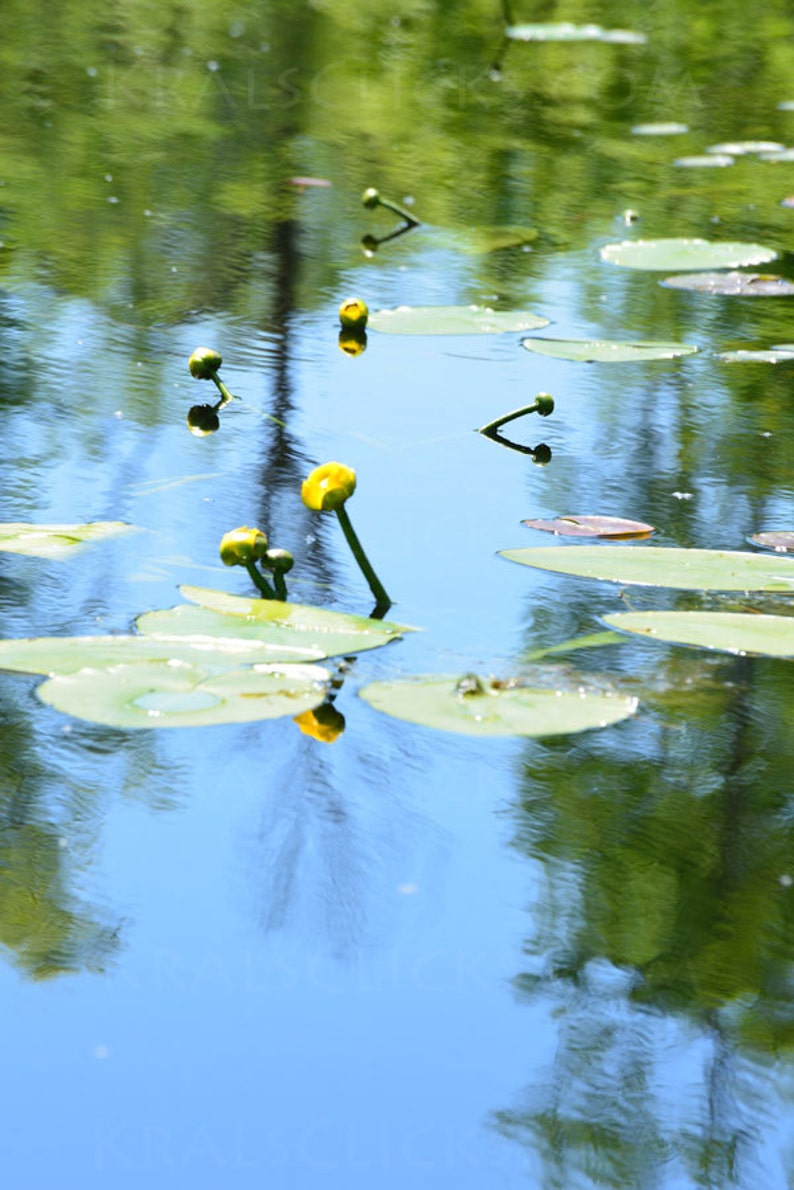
[[592, 526], [68, 654], [774, 355], [683, 254], [704, 161], [732, 284], [730, 632], [482, 240], [606, 350], [780, 541], [165, 694], [742, 148], [485, 707], [287, 625], [56, 541], [686, 570], [660, 128], [453, 320], [566, 31]]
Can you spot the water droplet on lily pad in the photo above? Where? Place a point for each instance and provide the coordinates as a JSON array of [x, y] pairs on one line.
[[680, 254]]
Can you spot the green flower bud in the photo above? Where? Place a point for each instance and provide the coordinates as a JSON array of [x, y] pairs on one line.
[[204, 363], [544, 404], [243, 546], [353, 314], [352, 341], [370, 198], [202, 420], [280, 561], [328, 487], [541, 454]]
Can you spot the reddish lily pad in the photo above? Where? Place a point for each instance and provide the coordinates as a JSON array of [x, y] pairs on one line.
[[779, 540], [732, 284], [592, 526]]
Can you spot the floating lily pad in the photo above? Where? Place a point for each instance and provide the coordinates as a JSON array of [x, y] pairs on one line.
[[566, 31], [482, 240], [781, 155], [592, 526], [741, 148], [704, 161], [288, 625], [774, 355], [787, 202], [781, 541], [67, 654], [56, 541], [683, 254], [660, 128], [700, 570], [732, 284], [606, 351], [485, 707], [454, 320], [166, 694], [730, 632], [786, 106]]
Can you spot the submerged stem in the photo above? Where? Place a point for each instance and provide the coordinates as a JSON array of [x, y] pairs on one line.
[[382, 600]]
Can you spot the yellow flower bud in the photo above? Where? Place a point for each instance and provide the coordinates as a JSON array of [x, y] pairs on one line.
[[242, 546], [328, 486], [204, 363], [324, 723], [353, 314]]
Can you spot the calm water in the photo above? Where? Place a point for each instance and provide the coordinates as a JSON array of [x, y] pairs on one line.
[[240, 957]]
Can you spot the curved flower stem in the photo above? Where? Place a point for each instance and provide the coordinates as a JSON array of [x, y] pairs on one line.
[[280, 585], [492, 426], [398, 210], [376, 587], [259, 581], [222, 389]]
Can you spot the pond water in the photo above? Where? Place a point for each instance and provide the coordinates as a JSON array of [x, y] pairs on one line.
[[241, 956]]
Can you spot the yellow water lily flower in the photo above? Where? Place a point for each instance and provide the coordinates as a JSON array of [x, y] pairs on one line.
[[242, 546], [328, 487], [353, 314]]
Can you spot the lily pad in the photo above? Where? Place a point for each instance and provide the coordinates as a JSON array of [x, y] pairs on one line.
[[566, 31], [166, 694], [781, 155], [780, 541], [484, 707], [732, 284], [56, 541], [678, 569], [704, 161], [788, 201], [454, 320], [606, 350], [660, 128], [730, 632], [288, 625], [774, 355], [482, 240], [741, 148], [68, 654], [684, 254], [592, 526]]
